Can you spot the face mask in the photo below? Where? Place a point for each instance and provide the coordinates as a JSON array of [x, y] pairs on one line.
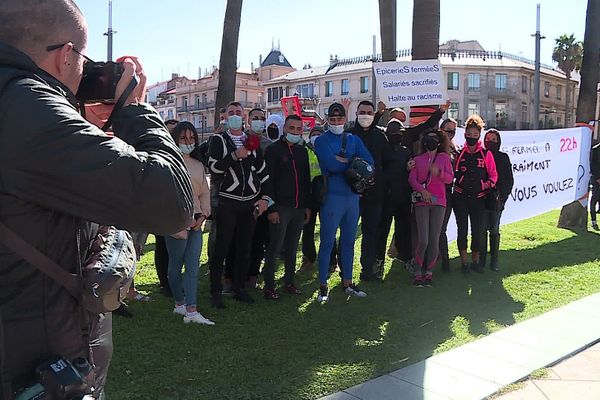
[[471, 141], [336, 129], [234, 122], [395, 138], [257, 125], [430, 143], [313, 139], [273, 133], [493, 146], [365, 120], [295, 139], [186, 148]]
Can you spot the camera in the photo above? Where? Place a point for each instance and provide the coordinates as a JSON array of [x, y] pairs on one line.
[[62, 379], [99, 81]]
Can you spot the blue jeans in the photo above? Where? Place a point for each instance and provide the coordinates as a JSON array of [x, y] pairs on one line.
[[338, 211], [186, 252]]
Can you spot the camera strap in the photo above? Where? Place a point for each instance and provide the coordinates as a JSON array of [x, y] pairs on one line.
[[121, 101]]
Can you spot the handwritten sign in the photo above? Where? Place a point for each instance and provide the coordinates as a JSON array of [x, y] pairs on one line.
[[411, 83], [551, 168]]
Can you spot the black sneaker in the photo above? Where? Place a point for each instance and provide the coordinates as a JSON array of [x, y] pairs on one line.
[[595, 225], [465, 268], [418, 281], [122, 311], [243, 296], [216, 300], [353, 290], [370, 276], [428, 281], [477, 267]]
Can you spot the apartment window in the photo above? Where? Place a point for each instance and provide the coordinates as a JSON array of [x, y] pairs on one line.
[[558, 120], [185, 103], [345, 87], [524, 84], [306, 91], [328, 88], [473, 109], [501, 82], [453, 111], [364, 84], [274, 94], [244, 96], [546, 89], [204, 98], [524, 113], [162, 115], [170, 113], [197, 100], [474, 81], [452, 80], [558, 92]]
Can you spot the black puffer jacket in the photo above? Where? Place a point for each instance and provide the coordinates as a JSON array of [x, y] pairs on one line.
[[58, 174], [505, 173]]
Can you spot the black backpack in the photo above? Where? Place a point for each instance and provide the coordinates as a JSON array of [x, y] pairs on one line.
[[200, 153]]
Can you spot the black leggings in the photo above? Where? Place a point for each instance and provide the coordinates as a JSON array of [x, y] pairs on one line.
[[595, 200], [469, 208]]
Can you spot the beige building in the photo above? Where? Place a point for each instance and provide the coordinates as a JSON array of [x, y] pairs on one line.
[[496, 85]]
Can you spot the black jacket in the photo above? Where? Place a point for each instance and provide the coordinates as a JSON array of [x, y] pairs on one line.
[[58, 176], [505, 175], [413, 134], [241, 179], [289, 173], [376, 143], [398, 190], [595, 162]]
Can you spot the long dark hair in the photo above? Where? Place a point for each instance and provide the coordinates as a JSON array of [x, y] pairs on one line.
[[182, 127], [444, 141]]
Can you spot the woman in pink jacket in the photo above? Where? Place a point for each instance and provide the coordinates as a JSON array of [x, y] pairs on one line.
[[428, 179]]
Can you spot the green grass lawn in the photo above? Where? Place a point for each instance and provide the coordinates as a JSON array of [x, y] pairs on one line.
[[298, 349]]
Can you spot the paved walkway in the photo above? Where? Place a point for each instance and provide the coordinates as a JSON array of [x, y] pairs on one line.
[[479, 369], [575, 378]]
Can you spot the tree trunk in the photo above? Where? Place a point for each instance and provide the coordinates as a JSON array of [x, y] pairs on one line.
[[387, 29], [228, 61], [574, 215], [426, 30]]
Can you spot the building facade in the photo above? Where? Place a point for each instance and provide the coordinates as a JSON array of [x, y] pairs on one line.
[[496, 85]]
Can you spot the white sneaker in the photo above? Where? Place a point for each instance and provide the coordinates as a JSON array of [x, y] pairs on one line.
[[353, 290], [323, 296], [179, 309], [197, 318]]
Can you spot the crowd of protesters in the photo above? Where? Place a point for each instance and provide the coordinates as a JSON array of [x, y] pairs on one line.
[[269, 181]]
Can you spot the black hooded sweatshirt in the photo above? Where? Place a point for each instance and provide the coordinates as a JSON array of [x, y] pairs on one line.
[[505, 173]]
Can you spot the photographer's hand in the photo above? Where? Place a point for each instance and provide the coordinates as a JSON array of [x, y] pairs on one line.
[[131, 67]]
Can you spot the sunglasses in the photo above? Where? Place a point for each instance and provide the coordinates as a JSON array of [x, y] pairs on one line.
[[60, 46]]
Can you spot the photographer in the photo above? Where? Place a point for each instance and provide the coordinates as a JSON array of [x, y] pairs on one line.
[[58, 173]]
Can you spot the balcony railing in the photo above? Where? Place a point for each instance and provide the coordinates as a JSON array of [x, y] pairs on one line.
[[196, 107]]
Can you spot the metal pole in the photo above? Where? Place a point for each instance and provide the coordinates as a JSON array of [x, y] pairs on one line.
[[373, 84], [536, 102], [109, 34]]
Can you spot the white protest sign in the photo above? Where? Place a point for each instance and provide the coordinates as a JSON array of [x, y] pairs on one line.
[[551, 168], [411, 83]]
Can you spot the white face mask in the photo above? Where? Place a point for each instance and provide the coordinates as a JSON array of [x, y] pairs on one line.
[[365, 120], [313, 139], [336, 129], [186, 148], [257, 125]]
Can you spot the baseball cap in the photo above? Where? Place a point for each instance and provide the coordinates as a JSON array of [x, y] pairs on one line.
[[336, 110]]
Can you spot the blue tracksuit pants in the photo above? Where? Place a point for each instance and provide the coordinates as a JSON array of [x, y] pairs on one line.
[[338, 211]]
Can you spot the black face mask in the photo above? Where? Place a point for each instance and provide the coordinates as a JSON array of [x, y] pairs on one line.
[[493, 146], [430, 143], [471, 141], [395, 138], [273, 133]]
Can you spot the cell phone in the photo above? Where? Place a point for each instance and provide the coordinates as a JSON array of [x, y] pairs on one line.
[[99, 81]]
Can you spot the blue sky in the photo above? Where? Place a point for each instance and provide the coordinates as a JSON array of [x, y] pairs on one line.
[[183, 35]]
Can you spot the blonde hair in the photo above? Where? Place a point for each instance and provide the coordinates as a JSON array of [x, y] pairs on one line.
[[475, 121]]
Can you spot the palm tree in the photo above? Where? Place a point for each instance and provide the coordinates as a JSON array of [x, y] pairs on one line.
[[228, 61], [426, 29], [568, 54], [574, 216], [387, 28]]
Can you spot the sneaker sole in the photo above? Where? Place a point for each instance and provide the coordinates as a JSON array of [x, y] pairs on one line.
[[189, 321]]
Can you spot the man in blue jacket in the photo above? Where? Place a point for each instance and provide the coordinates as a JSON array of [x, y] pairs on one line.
[[341, 207]]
